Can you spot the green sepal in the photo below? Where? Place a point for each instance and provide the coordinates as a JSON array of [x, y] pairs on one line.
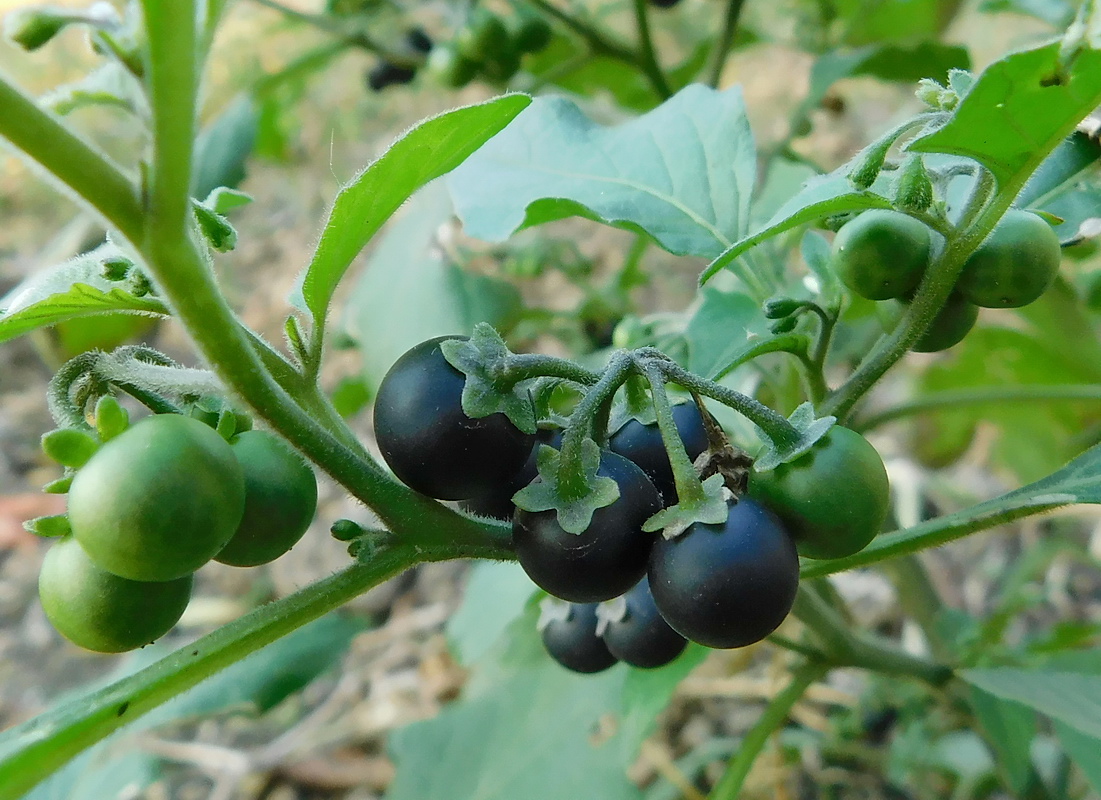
[[810, 429], [931, 93], [574, 514], [914, 191], [223, 200], [70, 447], [711, 510], [475, 358], [869, 162], [960, 82], [780, 307], [344, 530], [785, 325], [116, 268], [30, 28], [49, 527], [216, 229], [227, 423], [111, 418], [62, 484]]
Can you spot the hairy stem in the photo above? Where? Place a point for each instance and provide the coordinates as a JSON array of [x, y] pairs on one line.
[[83, 169], [716, 60], [987, 395], [648, 60]]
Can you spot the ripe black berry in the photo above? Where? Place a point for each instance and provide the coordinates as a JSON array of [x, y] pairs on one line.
[[641, 637], [606, 559], [727, 585], [386, 73], [427, 440], [572, 640], [643, 445]]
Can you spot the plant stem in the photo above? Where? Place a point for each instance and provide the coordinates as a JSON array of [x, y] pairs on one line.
[[523, 366], [937, 284], [716, 60], [939, 531], [844, 648], [919, 597], [188, 283], [597, 40], [31, 751], [355, 38], [992, 395], [648, 60], [689, 489], [775, 426], [71, 160], [730, 785], [571, 472]]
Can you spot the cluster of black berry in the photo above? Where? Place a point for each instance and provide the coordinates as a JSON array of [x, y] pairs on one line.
[[721, 585]]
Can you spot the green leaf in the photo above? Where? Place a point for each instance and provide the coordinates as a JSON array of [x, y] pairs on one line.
[[1018, 111], [895, 21], [683, 173], [1084, 751], [215, 228], [426, 152], [411, 292], [1076, 154], [1009, 728], [475, 358], [223, 146], [1057, 13], [822, 196], [76, 288], [723, 325], [495, 595], [527, 728], [574, 514], [1072, 698]]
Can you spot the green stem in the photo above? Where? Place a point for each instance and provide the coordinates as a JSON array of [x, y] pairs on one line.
[[992, 395], [524, 366], [335, 29], [597, 40], [730, 785], [775, 426], [921, 600], [716, 60], [572, 482], [71, 160], [844, 648], [648, 59], [687, 482], [937, 284], [937, 532], [31, 751]]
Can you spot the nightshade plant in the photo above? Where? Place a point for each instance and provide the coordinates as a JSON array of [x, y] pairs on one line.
[[983, 149]]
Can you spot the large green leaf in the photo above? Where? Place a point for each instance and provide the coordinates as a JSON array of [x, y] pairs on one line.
[[1019, 109], [723, 326], [427, 151], [410, 291], [682, 173], [894, 20], [1009, 728], [495, 594], [1072, 698], [528, 728], [1085, 751], [74, 289]]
